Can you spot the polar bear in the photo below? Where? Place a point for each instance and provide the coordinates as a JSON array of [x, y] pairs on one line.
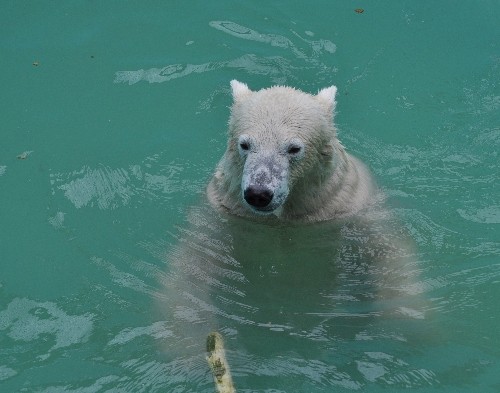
[[283, 159], [279, 289]]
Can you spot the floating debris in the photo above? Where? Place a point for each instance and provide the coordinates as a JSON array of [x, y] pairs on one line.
[[218, 364], [359, 10], [24, 155], [36, 63]]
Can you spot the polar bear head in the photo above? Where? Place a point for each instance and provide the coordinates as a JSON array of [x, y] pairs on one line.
[[281, 146]]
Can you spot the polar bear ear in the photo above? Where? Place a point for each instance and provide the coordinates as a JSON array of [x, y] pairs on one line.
[[239, 90], [327, 96]]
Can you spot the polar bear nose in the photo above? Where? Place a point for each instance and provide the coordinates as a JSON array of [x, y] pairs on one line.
[[258, 196]]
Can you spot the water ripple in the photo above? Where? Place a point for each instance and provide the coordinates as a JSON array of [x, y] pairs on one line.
[[276, 67], [279, 69], [27, 320], [277, 40], [109, 188], [157, 330]]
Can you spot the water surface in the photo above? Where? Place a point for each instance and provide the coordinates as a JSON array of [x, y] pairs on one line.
[[113, 119]]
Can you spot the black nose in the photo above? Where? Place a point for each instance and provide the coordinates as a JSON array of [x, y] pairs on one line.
[[257, 196]]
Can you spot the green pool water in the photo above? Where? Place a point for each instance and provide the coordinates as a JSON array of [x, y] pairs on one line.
[[113, 117]]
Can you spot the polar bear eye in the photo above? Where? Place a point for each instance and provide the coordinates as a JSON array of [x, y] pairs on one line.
[[295, 149], [244, 144]]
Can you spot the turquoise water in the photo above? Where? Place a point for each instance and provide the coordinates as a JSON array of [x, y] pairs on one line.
[[113, 119]]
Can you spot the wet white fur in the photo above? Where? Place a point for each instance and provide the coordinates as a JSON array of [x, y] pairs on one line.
[[325, 183]]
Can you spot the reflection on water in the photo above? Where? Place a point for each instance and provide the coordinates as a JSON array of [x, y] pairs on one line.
[[110, 188], [278, 68], [246, 33], [26, 320]]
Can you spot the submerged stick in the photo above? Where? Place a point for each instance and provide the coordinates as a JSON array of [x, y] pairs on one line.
[[218, 364]]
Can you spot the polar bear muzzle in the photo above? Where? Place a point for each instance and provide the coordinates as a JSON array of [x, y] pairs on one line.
[[264, 182], [257, 196]]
